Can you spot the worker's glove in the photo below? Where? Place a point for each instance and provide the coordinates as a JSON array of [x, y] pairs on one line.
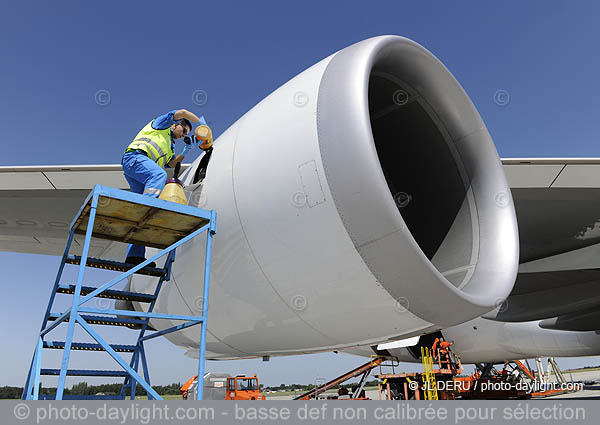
[[195, 142], [186, 149]]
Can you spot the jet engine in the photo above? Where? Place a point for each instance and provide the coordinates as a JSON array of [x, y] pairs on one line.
[[362, 201]]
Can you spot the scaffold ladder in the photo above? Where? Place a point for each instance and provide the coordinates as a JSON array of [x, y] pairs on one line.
[[127, 217]]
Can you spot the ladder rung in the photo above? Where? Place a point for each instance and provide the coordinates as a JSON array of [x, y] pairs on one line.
[[104, 320], [60, 345], [108, 293], [84, 372], [115, 265]]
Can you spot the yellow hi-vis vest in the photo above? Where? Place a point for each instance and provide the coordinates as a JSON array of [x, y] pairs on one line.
[[156, 143]]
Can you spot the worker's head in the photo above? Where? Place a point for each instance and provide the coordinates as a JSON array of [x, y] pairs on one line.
[[181, 128]]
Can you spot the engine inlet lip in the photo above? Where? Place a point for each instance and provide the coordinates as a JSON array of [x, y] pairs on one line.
[[366, 206]]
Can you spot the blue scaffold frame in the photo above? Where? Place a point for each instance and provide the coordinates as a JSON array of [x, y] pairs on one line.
[[73, 316]]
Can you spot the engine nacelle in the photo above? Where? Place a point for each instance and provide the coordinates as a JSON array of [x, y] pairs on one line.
[[488, 341], [361, 201]]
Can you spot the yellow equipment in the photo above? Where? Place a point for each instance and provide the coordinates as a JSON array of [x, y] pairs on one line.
[[173, 190], [428, 375]]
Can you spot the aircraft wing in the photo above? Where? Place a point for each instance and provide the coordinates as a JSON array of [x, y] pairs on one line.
[[557, 203], [37, 205]]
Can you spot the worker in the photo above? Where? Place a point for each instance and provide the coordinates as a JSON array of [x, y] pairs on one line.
[[444, 345], [434, 346], [145, 158]]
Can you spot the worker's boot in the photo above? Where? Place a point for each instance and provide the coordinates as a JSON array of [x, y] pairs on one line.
[[138, 260]]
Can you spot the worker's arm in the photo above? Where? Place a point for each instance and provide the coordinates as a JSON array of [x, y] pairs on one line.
[[173, 162], [184, 113]]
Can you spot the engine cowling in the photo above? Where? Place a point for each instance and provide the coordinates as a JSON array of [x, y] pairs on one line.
[[363, 200]]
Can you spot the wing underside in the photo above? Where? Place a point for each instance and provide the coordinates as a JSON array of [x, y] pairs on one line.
[[37, 205], [557, 202]]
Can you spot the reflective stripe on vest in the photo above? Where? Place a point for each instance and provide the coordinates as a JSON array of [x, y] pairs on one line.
[[155, 146], [155, 143]]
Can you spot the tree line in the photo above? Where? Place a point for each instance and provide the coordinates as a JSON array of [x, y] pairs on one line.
[[83, 388]]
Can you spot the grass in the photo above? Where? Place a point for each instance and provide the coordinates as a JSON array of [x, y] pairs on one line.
[[165, 397], [589, 369]]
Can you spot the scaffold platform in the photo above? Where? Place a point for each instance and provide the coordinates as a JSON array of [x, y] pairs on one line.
[[127, 217]]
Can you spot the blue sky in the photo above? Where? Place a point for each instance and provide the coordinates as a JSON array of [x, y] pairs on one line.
[[59, 59]]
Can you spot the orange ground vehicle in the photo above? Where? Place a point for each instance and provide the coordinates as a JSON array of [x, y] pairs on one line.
[[243, 388], [224, 387]]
